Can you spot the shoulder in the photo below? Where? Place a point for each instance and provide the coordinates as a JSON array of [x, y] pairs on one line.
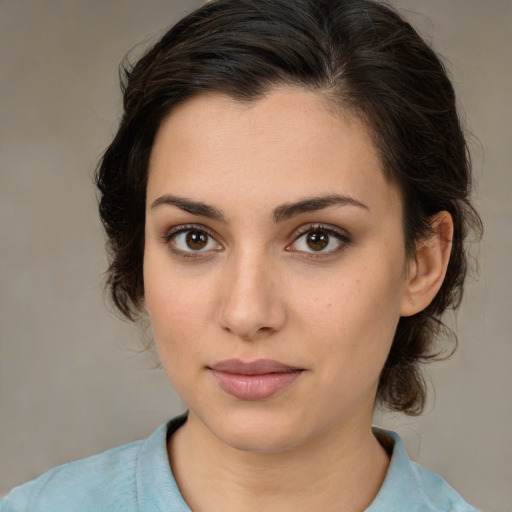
[[102, 482], [132, 478], [437, 493], [409, 487]]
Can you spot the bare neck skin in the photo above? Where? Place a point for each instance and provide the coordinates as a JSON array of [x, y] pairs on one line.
[[342, 469]]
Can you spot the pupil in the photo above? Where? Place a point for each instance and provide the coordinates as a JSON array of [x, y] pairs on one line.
[[196, 240], [318, 240]]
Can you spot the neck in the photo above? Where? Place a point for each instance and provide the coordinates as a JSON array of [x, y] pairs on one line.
[[341, 470]]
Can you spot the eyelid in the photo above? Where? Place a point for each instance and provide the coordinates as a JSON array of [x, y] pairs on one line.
[[171, 233], [181, 228], [341, 235]]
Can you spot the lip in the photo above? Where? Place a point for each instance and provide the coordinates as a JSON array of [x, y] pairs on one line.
[[254, 380]]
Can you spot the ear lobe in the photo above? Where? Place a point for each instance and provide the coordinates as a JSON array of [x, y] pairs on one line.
[[428, 267]]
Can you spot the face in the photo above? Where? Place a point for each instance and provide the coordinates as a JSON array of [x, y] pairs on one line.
[[273, 267]]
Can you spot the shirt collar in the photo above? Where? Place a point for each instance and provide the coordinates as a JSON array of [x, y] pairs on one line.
[[400, 489], [157, 488]]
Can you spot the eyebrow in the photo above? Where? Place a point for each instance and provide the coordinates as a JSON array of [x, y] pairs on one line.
[[279, 214], [313, 204], [193, 207]]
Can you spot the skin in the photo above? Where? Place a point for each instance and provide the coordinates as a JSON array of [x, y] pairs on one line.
[[258, 289]]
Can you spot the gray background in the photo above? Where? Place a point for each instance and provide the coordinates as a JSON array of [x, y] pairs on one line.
[[73, 378]]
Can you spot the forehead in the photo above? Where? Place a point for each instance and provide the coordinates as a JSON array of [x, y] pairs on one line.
[[288, 144]]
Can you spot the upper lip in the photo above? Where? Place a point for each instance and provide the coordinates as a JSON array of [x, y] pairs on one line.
[[258, 367]]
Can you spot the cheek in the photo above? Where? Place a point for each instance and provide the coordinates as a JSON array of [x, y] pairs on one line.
[[176, 319], [352, 320], [174, 316], [177, 307]]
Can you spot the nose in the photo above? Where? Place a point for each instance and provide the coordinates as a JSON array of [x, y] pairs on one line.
[[250, 307]]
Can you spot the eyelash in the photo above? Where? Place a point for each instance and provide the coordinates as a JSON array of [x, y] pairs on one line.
[[341, 237], [171, 235]]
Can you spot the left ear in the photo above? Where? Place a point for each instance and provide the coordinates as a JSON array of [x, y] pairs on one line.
[[428, 266]]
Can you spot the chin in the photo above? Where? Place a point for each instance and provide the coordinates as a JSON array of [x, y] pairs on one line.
[[259, 442], [261, 431]]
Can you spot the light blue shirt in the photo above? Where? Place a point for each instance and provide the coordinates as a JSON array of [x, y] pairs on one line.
[[137, 478]]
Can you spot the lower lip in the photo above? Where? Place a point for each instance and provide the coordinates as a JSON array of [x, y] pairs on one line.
[[254, 387]]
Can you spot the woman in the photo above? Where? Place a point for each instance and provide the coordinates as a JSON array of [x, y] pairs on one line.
[[287, 199]]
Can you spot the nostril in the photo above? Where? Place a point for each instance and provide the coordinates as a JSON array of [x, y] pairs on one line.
[[261, 333]]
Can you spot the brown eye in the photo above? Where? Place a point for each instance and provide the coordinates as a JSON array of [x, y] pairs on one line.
[[192, 240], [196, 240], [317, 240]]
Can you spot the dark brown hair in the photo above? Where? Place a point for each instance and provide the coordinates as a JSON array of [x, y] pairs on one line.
[[359, 54]]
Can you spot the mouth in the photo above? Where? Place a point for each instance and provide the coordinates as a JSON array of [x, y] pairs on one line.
[[254, 380]]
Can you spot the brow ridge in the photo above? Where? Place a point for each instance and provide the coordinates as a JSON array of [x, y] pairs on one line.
[[279, 214], [289, 210], [194, 207]]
